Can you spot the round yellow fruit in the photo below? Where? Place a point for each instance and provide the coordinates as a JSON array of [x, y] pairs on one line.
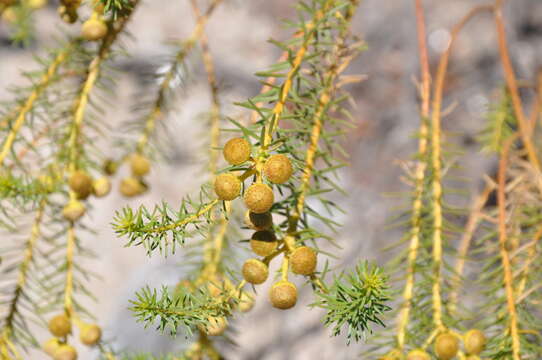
[[418, 355], [9, 15], [81, 183], [51, 346], [36, 4], [255, 271], [90, 334], [283, 295], [74, 210], [474, 341], [139, 165], [259, 198], [130, 187], [303, 260], [236, 151], [227, 186], [110, 167], [65, 352], [93, 29], [60, 325], [101, 187], [278, 169], [261, 221], [263, 243], [446, 346]]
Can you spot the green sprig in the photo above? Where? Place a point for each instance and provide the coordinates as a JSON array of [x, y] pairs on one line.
[[355, 300]]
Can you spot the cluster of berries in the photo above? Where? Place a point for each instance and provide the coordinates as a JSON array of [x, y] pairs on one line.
[[447, 347], [259, 199], [82, 184], [60, 327]]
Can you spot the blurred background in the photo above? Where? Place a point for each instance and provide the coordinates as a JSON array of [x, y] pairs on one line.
[[386, 116]]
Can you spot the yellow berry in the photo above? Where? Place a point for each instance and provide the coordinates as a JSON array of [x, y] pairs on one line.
[[110, 167], [140, 165], [255, 271], [259, 198], [74, 210], [246, 302], [65, 352], [93, 29], [474, 341], [101, 187], [8, 2], [262, 221], [263, 243], [303, 260], [131, 187], [236, 151], [81, 183], [418, 355], [90, 334], [227, 186], [473, 357], [9, 15], [50, 346], [60, 325], [216, 326], [278, 169], [283, 295], [446, 346], [36, 4]]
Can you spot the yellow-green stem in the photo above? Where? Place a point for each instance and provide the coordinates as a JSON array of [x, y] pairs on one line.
[[22, 113]]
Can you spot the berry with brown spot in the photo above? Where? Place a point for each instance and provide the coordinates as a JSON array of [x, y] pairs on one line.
[[255, 271], [236, 151], [60, 325], [81, 183], [263, 243], [474, 341], [259, 198], [278, 169], [303, 260], [263, 221], [283, 295], [227, 186], [90, 334], [446, 346]]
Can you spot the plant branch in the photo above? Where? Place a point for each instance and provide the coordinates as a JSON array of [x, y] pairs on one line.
[[505, 257], [22, 113], [425, 94]]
